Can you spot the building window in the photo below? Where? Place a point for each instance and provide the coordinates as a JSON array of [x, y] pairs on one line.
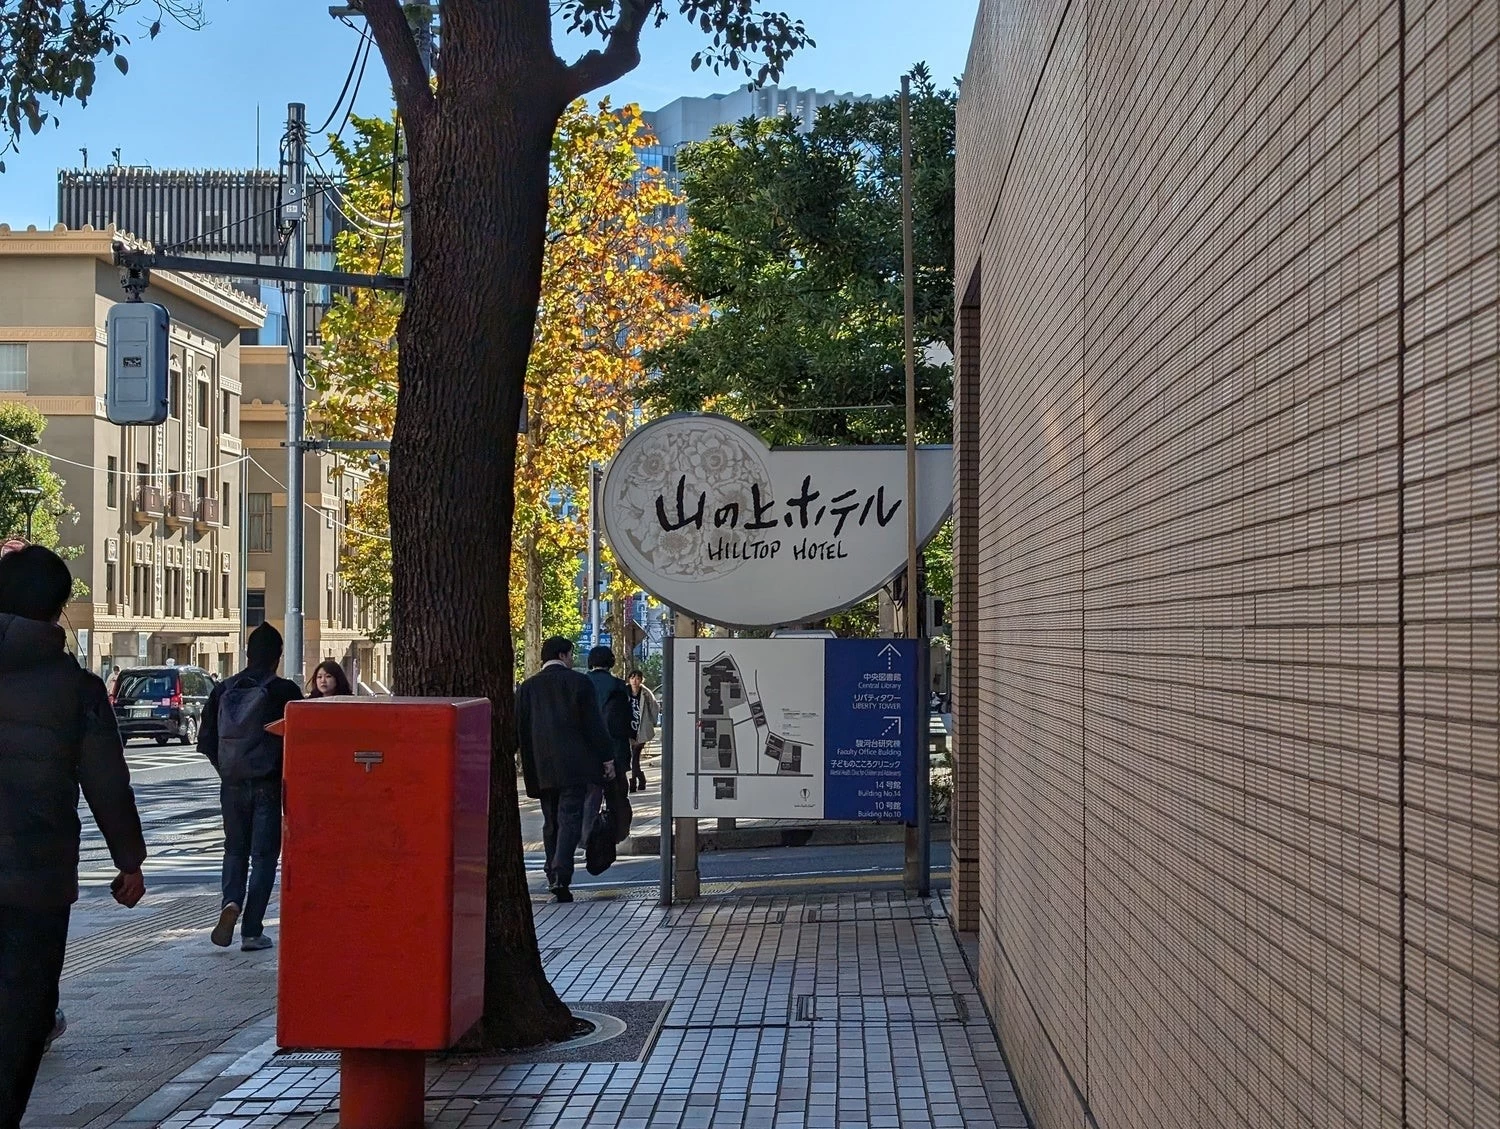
[[111, 481], [12, 368], [224, 504], [203, 419], [260, 523], [142, 475], [109, 583], [202, 488], [226, 413], [174, 392], [224, 593], [255, 607]]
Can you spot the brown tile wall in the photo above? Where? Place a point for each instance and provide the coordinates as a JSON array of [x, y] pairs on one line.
[[963, 846], [1232, 521]]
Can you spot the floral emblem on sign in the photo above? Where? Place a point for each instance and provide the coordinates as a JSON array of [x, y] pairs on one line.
[[667, 486]]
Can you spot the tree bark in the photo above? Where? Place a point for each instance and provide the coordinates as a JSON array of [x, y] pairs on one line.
[[479, 206]]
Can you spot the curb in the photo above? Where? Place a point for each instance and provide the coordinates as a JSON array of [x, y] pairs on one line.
[[796, 835]]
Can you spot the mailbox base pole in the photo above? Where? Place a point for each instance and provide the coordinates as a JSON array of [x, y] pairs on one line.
[[382, 1089]]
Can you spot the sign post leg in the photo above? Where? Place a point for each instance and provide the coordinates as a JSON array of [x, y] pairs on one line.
[[670, 694], [924, 772], [685, 843]]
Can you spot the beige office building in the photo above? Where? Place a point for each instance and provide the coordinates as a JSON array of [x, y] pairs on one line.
[[158, 507], [336, 625]]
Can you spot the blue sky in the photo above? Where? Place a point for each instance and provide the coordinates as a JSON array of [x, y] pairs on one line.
[[190, 98]]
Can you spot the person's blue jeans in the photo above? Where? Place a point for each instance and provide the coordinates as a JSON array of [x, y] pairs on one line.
[[252, 846], [32, 943]]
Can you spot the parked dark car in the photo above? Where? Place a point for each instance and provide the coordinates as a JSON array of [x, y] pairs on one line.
[[164, 702]]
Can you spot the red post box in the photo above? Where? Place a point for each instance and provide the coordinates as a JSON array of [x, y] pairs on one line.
[[383, 890]]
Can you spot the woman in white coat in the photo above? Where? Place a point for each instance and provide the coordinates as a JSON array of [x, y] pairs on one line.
[[644, 714]]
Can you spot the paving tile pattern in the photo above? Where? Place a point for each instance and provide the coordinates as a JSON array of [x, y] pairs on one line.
[[890, 1031]]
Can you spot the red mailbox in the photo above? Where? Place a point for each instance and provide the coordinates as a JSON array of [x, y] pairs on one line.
[[382, 889]]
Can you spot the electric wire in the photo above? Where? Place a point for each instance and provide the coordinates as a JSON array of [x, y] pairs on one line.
[[361, 50], [163, 475], [321, 512], [364, 59]]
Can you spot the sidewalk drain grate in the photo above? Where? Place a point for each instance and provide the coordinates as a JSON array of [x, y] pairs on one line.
[[918, 1008], [306, 1058]]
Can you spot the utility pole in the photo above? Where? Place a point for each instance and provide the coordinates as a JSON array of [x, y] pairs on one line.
[[918, 838], [595, 501], [294, 213]]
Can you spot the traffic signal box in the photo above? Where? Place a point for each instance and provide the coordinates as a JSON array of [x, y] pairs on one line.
[[383, 890]]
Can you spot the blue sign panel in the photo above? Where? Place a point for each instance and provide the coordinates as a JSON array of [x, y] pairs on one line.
[[870, 729], [795, 728]]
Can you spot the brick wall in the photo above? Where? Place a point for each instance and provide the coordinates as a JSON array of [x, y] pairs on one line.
[[1231, 518]]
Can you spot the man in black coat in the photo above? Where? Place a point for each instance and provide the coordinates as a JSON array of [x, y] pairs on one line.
[[57, 732], [564, 750], [614, 706]]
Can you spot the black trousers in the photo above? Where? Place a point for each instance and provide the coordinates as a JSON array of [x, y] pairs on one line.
[[32, 943]]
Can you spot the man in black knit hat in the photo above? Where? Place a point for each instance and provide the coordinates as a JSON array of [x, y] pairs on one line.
[[248, 759]]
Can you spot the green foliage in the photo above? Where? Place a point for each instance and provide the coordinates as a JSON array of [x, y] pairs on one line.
[[20, 469], [795, 244], [754, 43], [49, 51], [561, 613]]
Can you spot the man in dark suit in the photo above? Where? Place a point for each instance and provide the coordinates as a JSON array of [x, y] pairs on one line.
[[614, 707], [564, 749]]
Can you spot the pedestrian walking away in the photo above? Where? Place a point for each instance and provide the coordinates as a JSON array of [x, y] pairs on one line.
[[329, 681], [614, 708], [565, 750], [644, 715], [248, 760], [57, 735]]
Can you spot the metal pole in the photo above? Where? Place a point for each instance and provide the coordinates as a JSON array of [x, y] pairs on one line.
[[907, 255], [594, 503], [924, 751], [917, 876], [670, 694], [295, 211]]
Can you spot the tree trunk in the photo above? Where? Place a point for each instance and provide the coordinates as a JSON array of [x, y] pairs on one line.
[[479, 206], [535, 599], [619, 615]]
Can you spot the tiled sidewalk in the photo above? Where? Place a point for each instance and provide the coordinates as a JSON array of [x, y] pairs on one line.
[[851, 1011]]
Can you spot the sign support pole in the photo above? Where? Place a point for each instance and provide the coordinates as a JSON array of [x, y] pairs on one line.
[[667, 728], [918, 839]]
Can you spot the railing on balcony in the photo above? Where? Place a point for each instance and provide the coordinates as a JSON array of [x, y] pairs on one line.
[[179, 507], [208, 512], [150, 503]]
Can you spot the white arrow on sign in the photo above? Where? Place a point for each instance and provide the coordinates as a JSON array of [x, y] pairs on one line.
[[895, 723], [890, 651]]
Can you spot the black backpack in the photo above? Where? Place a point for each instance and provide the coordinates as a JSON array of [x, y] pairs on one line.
[[246, 750]]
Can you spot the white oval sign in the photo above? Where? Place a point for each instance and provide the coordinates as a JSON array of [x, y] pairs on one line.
[[712, 521]]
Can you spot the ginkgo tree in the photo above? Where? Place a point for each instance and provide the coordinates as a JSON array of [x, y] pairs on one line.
[[480, 143], [605, 301]]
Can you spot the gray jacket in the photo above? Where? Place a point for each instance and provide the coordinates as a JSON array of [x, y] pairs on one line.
[[57, 734]]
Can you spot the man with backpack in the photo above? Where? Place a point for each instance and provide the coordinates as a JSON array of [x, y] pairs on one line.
[[248, 759]]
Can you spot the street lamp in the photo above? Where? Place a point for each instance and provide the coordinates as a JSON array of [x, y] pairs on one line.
[[33, 498]]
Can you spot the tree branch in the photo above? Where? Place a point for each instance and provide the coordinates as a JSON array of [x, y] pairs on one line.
[[621, 54], [398, 49]]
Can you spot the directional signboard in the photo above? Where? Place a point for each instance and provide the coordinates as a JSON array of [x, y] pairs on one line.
[[795, 728]]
